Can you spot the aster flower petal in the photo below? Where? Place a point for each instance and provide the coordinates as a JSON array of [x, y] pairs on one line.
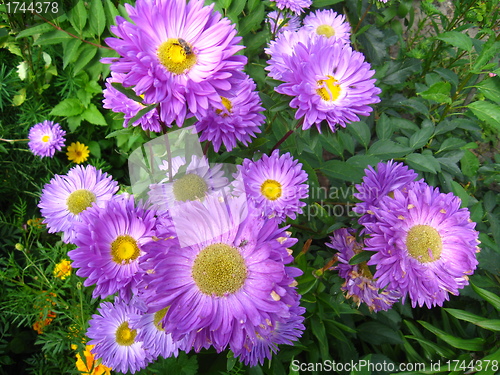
[[46, 138]]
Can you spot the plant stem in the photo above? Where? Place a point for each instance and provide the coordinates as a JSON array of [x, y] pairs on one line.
[[288, 133]]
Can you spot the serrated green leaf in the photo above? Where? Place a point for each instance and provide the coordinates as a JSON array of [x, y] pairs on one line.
[[361, 132], [92, 115], [456, 39], [68, 107], [489, 50], [490, 88], [86, 52], [487, 112], [39, 29], [78, 16], [424, 163], [52, 37], [71, 51], [439, 92], [475, 344], [97, 21]]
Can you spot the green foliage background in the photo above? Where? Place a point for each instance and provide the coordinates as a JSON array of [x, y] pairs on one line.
[[440, 114]]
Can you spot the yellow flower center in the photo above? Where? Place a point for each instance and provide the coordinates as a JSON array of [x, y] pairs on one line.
[[227, 104], [158, 317], [424, 243], [176, 55], [124, 335], [46, 138], [271, 189], [189, 187], [124, 249], [219, 269], [80, 200], [328, 89], [325, 30]]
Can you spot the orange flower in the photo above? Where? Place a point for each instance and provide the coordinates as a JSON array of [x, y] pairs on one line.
[[90, 366]]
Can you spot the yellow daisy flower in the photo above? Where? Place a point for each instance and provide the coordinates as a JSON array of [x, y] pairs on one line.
[[62, 269], [78, 152]]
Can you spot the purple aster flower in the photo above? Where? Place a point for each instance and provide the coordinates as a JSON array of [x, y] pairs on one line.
[[329, 24], [328, 82], [269, 336], [45, 138], [230, 272], [284, 45], [110, 240], [237, 119], [153, 336], [296, 6], [179, 54], [388, 177], [115, 341], [425, 244], [65, 197], [275, 184], [276, 20], [118, 102], [199, 179], [360, 284]]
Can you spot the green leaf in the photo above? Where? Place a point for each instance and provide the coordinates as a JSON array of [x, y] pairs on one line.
[[489, 50], [424, 163], [127, 91], [52, 37], [71, 51], [487, 296], [252, 20], [97, 21], [74, 122], [142, 112], [420, 138], [430, 346], [487, 112], [377, 333], [361, 257], [111, 11], [361, 132], [39, 29], [490, 324], [68, 107], [363, 161], [318, 329], [386, 149], [456, 39], [324, 3], [92, 115], [439, 92], [78, 16], [86, 52], [469, 164], [475, 344], [460, 192], [451, 144], [490, 88], [384, 127], [342, 171], [398, 72], [95, 149]]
